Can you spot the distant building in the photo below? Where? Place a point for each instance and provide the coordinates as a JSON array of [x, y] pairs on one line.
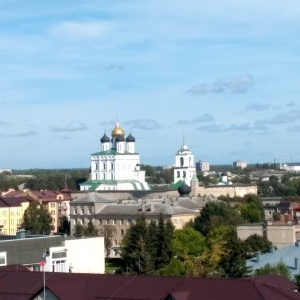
[[240, 164], [290, 168], [184, 165], [6, 170], [116, 166], [104, 213], [202, 166]]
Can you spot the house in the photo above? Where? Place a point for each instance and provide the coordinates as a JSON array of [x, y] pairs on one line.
[[17, 283], [289, 255], [57, 203], [11, 213], [67, 254]]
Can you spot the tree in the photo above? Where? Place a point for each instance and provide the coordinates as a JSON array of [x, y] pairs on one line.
[[79, 229], [276, 216], [90, 230], [215, 214], [107, 233], [280, 269], [256, 243], [64, 225], [37, 219], [187, 242]]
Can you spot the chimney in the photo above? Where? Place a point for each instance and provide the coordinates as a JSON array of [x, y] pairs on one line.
[[296, 263], [20, 234], [257, 256]]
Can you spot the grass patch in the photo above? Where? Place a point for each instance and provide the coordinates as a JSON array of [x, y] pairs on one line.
[[112, 264]]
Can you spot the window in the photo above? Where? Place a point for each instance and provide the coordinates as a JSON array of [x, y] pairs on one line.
[[104, 176], [19, 221], [121, 222], [115, 242], [81, 210], [52, 212], [12, 213], [100, 222], [114, 232], [104, 166], [184, 174], [96, 166], [52, 204], [75, 211], [122, 232], [12, 221], [18, 213], [4, 213], [89, 211], [128, 222], [114, 222], [107, 222], [58, 266], [111, 166], [100, 231], [178, 174], [112, 176], [181, 162]]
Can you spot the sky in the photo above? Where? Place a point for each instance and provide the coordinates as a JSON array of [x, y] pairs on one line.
[[222, 75]]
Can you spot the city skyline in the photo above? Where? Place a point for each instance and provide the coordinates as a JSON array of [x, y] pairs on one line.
[[224, 75]]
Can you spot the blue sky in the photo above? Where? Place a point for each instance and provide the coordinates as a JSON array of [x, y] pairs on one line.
[[223, 73]]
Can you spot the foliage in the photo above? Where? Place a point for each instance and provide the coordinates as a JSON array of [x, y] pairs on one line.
[[256, 243], [37, 220], [107, 233], [147, 247], [64, 226], [90, 230], [79, 229], [215, 214], [252, 209], [45, 179], [187, 242], [276, 216], [280, 269]]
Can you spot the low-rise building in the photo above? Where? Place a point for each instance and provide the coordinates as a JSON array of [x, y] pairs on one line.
[[104, 213], [240, 164]]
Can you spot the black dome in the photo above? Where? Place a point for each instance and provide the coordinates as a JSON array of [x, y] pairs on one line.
[[130, 139], [105, 139], [120, 138], [184, 190]]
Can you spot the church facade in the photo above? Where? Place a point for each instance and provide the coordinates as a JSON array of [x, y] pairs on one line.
[[116, 166]]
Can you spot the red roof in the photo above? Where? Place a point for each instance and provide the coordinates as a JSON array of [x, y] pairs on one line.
[[16, 283]]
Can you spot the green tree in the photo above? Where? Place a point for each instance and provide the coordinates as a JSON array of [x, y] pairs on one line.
[[64, 225], [280, 269], [37, 220], [79, 229], [135, 250], [90, 230], [187, 242], [256, 243], [276, 216], [215, 214]]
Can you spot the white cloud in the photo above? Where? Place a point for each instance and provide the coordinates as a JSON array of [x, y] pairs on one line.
[[82, 30], [73, 126], [242, 84]]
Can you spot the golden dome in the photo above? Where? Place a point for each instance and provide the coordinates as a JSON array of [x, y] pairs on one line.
[[117, 131]]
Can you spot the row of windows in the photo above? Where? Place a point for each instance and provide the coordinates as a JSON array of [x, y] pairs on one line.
[[110, 166], [12, 222], [12, 213], [81, 211], [114, 232], [114, 222]]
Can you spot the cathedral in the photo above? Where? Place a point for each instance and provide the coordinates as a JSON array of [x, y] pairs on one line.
[[116, 166]]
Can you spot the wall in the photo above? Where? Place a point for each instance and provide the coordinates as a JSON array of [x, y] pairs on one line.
[[216, 191], [86, 255], [279, 235]]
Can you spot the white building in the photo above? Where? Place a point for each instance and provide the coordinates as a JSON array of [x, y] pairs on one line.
[[184, 165], [240, 164], [289, 168], [202, 166], [116, 166]]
